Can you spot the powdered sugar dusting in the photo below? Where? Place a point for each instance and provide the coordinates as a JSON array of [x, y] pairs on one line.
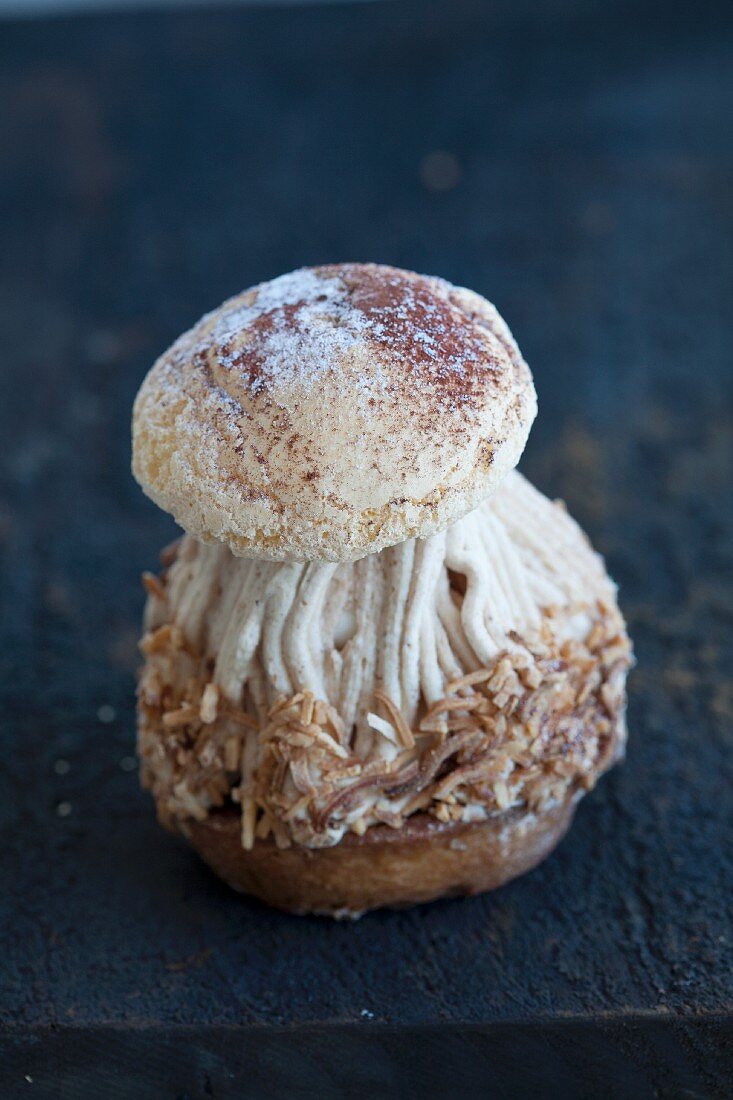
[[415, 320], [300, 327], [296, 329]]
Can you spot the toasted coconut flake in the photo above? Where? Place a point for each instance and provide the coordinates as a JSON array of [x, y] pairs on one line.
[[153, 586], [437, 725], [307, 707], [181, 717], [333, 719], [471, 679], [158, 641], [281, 833], [319, 713], [300, 772], [169, 553], [283, 703], [446, 706], [249, 816], [501, 791], [397, 719], [337, 772], [236, 714], [382, 726], [468, 773], [547, 715], [297, 807], [419, 801], [232, 754], [388, 817], [209, 703], [328, 742]]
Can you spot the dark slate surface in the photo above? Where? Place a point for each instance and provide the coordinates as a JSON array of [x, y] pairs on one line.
[[150, 167]]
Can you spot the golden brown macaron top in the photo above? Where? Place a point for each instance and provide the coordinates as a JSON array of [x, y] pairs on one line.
[[332, 412]]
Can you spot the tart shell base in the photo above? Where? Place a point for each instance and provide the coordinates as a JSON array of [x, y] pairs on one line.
[[422, 861]]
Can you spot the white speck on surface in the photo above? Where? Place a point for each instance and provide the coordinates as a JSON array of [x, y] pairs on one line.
[[128, 763], [106, 714], [310, 326], [367, 1014], [64, 809], [62, 767]]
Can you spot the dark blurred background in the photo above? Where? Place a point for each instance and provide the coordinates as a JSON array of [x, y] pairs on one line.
[[573, 161]]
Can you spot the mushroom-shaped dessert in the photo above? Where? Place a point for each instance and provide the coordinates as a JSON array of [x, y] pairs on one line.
[[380, 667]]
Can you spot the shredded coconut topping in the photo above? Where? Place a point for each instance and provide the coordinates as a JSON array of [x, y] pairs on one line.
[[462, 676]]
